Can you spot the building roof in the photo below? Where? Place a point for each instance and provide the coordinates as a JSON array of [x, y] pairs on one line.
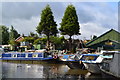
[[20, 38], [109, 35]]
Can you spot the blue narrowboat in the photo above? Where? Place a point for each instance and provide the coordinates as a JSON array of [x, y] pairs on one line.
[[26, 56]]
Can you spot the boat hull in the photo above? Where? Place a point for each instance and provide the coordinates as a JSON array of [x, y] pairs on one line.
[[75, 65], [26, 58], [106, 74], [92, 67]]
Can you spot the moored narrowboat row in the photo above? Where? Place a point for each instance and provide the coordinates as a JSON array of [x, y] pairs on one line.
[[92, 62], [26, 56]]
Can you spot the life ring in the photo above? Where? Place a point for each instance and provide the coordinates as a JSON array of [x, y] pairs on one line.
[[55, 56]]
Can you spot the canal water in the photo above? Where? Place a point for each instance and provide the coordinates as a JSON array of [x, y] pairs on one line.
[[42, 70]]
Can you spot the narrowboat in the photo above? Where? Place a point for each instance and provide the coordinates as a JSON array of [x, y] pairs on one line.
[[92, 62], [44, 56]]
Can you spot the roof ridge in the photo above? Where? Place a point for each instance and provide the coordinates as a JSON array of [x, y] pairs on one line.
[[102, 35]]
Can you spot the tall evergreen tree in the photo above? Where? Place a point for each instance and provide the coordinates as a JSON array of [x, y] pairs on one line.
[[70, 25], [13, 34], [4, 35], [47, 24]]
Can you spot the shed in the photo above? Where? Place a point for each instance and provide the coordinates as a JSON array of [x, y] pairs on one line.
[[108, 40]]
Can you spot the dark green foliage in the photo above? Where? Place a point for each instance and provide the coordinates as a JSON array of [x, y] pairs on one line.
[[4, 35], [58, 41], [13, 34], [47, 24], [33, 35], [29, 39], [69, 24], [40, 41]]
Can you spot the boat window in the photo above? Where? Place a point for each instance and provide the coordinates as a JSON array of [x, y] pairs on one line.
[[14, 55], [35, 55], [26, 55], [89, 57], [40, 55]]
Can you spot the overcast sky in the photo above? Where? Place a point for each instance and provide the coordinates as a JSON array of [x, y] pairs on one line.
[[95, 18]]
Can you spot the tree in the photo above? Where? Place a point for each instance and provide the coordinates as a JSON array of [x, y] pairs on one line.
[[58, 41], [70, 25], [47, 24], [4, 35], [29, 39], [13, 34]]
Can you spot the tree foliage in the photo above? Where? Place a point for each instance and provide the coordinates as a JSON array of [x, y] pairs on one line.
[[58, 41], [70, 25], [40, 40], [4, 35], [29, 39], [31, 34], [13, 34], [47, 24]]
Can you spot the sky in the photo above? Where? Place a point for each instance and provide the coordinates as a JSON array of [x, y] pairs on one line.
[[95, 18]]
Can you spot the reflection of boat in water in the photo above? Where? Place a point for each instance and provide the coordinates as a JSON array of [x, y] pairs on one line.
[[92, 61], [31, 56], [77, 71]]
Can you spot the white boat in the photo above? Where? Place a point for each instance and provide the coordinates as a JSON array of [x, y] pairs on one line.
[[111, 67], [92, 62]]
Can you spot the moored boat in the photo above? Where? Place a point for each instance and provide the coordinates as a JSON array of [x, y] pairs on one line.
[[39, 55], [93, 61], [72, 61], [111, 67]]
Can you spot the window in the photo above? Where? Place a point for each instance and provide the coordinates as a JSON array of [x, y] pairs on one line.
[[26, 56], [35, 55], [14, 55], [89, 57]]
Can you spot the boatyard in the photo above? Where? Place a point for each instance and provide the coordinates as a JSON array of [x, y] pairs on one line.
[[61, 44]]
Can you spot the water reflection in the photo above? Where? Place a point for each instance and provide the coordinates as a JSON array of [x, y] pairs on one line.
[[42, 70]]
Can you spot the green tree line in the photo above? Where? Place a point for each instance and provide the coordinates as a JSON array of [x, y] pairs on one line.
[[47, 26]]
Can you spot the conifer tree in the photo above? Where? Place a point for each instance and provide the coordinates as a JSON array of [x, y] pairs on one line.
[[47, 24], [70, 25]]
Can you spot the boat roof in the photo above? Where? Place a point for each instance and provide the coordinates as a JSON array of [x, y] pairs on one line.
[[91, 54], [23, 53]]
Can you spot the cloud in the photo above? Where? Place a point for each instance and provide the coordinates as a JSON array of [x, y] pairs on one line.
[[94, 17], [26, 26], [90, 29]]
